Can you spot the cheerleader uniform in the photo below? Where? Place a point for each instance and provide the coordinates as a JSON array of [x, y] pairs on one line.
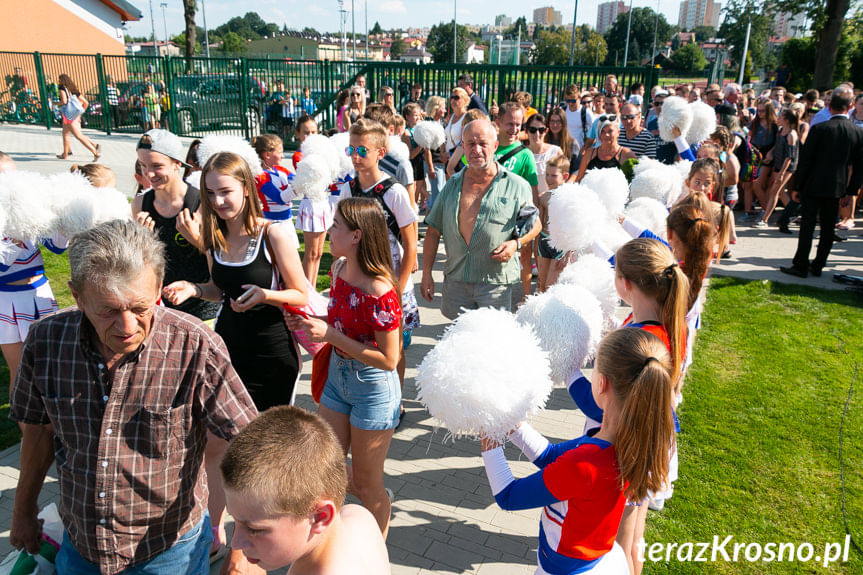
[[21, 305], [578, 487], [262, 348], [276, 193], [315, 214]]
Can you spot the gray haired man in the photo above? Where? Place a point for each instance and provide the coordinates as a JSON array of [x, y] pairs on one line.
[[120, 393]]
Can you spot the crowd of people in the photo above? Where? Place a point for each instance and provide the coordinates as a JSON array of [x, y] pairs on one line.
[[166, 396]]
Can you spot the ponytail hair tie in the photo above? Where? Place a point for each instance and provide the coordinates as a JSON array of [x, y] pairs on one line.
[[648, 360], [669, 271]]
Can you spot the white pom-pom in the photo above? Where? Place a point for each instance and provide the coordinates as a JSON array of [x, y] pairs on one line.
[[486, 375], [340, 141], [429, 134], [23, 198], [676, 112], [645, 164], [661, 182], [313, 177], [78, 206], [568, 321], [612, 235], [610, 186], [112, 205], [650, 213], [212, 145], [596, 276], [398, 149], [703, 123], [320, 145], [574, 215]]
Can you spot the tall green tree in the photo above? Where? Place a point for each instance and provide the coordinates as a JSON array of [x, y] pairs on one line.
[[439, 42], [519, 25], [376, 29], [689, 58], [739, 13], [704, 33], [643, 23], [190, 37], [397, 48], [232, 43], [828, 21], [552, 48]]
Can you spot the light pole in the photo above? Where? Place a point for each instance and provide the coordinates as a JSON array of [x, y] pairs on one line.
[[655, 29], [628, 26], [499, 39], [206, 33], [572, 41], [745, 50], [353, 33], [454, 33], [165, 24], [342, 21], [153, 27], [366, 9]]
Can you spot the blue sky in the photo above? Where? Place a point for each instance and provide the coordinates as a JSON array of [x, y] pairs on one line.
[[323, 14]]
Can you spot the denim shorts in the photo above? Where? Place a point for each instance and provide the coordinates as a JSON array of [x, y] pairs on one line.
[[190, 555], [370, 396]]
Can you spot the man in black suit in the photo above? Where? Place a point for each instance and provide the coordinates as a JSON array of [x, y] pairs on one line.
[[822, 181]]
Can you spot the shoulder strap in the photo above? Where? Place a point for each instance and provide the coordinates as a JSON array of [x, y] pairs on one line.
[[377, 193], [265, 235], [511, 153]]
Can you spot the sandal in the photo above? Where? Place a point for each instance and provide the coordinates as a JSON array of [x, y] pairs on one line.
[[63, 156], [98, 153]]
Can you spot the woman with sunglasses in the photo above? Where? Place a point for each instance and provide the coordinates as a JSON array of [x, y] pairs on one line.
[[606, 152], [355, 109], [543, 152], [558, 134], [387, 97], [458, 100]]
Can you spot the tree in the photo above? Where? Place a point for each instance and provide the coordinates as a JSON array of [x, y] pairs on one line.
[[689, 58], [180, 41], [439, 42], [643, 23], [376, 29], [552, 48], [520, 25], [397, 48], [189, 8], [739, 13], [704, 33], [232, 43], [828, 19]]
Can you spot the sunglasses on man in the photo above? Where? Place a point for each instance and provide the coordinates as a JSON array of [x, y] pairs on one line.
[[361, 151], [628, 116]]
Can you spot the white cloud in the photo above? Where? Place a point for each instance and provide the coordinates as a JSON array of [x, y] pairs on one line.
[[392, 7]]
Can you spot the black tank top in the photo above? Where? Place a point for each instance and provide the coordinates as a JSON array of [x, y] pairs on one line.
[[183, 260], [596, 162], [231, 276]]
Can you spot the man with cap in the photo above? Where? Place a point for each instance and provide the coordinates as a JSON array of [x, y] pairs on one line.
[[169, 209]]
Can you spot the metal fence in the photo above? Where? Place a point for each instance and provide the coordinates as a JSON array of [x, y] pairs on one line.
[[196, 96]]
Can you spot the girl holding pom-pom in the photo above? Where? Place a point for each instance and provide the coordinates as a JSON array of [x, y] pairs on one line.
[[583, 484], [361, 397]]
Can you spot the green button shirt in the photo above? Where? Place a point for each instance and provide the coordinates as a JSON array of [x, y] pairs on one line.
[[494, 225]]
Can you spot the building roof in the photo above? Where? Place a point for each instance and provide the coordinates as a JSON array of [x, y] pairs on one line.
[[126, 10]]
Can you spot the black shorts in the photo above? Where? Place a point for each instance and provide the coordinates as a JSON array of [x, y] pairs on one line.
[[546, 250]]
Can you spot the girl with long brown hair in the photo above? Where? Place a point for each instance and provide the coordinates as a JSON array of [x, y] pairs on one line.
[[73, 104], [362, 395], [558, 135], [584, 484], [785, 156]]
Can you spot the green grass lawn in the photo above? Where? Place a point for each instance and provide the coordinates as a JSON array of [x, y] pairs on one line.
[[760, 427], [57, 270]]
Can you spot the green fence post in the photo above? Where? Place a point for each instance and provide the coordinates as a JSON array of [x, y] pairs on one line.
[[168, 75], [43, 90], [243, 83], [103, 94]]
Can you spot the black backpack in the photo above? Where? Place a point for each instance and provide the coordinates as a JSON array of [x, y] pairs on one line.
[[377, 193]]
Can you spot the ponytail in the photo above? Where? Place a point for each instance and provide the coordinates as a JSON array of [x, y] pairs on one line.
[[697, 236], [638, 368], [723, 222], [651, 266], [719, 214]]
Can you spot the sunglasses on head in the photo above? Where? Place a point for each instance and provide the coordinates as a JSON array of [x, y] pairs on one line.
[[536, 129], [361, 151], [586, 101], [608, 117], [455, 97]]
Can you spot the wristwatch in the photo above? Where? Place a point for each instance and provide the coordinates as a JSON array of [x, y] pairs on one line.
[[517, 244]]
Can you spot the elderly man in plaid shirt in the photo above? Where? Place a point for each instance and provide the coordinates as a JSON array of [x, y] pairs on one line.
[[120, 394]]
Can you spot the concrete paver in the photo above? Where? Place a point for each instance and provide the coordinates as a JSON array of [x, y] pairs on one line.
[[444, 517]]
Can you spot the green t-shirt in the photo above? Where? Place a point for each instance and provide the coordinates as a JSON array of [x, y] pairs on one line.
[[521, 164]]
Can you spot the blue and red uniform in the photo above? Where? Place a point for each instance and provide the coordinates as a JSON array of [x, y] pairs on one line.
[[578, 487], [275, 192]]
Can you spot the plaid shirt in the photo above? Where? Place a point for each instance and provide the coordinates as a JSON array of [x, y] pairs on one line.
[[129, 442]]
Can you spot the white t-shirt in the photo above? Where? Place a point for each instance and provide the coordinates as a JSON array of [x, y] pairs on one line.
[[575, 127], [398, 201], [453, 134], [541, 161]]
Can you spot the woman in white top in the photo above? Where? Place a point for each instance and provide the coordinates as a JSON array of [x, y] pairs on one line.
[[458, 105], [542, 151]]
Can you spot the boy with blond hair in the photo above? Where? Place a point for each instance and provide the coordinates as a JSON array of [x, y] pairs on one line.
[[550, 261], [285, 482]]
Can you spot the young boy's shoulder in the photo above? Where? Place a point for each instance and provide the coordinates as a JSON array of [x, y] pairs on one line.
[[357, 548]]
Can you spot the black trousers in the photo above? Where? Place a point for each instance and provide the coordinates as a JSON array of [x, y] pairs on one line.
[[826, 210]]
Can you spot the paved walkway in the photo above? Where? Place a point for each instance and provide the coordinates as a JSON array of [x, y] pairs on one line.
[[444, 517]]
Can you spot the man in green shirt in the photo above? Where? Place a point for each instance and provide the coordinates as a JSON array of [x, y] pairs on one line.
[[518, 159], [476, 215]]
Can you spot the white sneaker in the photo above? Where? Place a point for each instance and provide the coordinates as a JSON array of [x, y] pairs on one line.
[[761, 224]]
